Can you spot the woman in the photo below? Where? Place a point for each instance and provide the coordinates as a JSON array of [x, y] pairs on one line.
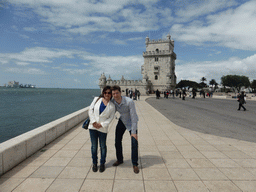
[[101, 113]]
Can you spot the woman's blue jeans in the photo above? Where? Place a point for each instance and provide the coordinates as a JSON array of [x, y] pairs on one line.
[[101, 137]]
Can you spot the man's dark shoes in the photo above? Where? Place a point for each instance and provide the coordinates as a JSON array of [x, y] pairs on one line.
[[136, 169], [102, 168], [117, 163], [94, 168]]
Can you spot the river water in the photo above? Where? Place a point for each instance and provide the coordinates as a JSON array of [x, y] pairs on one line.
[[24, 109]]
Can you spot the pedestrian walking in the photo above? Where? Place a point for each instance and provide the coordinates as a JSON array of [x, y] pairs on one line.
[[157, 94], [241, 101], [183, 94]]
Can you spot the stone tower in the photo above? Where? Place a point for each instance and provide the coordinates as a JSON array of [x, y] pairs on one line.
[[159, 64]]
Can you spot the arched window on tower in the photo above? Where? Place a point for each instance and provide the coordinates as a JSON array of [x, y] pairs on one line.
[[156, 58], [156, 77]]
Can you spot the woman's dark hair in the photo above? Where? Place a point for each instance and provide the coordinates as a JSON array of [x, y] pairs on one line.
[[104, 90]]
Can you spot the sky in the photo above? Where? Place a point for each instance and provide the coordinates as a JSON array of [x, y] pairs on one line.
[[70, 43]]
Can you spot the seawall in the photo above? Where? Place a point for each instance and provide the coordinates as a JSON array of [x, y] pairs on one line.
[[17, 149]]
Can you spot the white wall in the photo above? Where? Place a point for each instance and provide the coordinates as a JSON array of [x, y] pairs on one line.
[[16, 150]]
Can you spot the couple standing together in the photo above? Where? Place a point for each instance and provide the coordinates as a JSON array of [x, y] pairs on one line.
[[101, 113]]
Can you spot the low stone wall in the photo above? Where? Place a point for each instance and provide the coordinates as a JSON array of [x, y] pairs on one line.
[[16, 150]]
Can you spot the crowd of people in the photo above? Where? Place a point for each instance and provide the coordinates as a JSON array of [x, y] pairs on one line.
[[133, 94], [182, 93]]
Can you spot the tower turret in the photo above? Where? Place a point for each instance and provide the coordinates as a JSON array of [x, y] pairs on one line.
[[102, 81]]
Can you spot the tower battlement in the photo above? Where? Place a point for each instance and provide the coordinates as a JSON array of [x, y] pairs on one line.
[[160, 52]]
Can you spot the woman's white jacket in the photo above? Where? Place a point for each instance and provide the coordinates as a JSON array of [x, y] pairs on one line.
[[104, 118]]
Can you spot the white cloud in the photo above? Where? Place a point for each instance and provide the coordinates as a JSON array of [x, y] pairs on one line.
[[29, 29], [14, 27], [119, 42], [77, 81], [116, 66], [69, 65], [83, 17], [216, 69], [233, 28], [77, 71], [22, 63], [200, 8], [37, 55], [31, 71], [24, 36], [135, 39]]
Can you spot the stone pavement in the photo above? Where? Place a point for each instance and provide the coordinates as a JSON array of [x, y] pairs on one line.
[[171, 158]]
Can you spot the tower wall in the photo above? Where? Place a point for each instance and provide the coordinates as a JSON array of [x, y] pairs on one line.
[[159, 64]]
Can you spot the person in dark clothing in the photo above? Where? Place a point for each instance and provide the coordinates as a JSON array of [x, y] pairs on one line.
[[157, 94], [183, 94], [131, 93], [194, 93], [241, 101], [128, 121], [203, 93]]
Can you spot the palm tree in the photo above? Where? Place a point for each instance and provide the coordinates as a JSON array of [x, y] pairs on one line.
[[212, 82], [203, 79]]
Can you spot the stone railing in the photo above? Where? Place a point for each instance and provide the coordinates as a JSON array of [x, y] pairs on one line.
[[160, 41], [160, 52], [16, 150], [124, 82]]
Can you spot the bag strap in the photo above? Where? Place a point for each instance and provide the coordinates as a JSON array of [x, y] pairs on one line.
[[96, 102]]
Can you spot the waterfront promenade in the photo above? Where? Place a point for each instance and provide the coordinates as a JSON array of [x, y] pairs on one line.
[[171, 158]]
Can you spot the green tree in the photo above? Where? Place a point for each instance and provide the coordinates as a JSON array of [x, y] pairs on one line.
[[253, 86], [235, 81], [187, 83], [203, 84], [216, 86], [213, 82]]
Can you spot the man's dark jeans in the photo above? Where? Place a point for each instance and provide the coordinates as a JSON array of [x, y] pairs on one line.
[[120, 130], [102, 137]]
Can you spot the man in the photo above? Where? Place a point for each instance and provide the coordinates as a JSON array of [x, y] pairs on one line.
[[157, 94], [128, 120], [183, 94], [241, 101]]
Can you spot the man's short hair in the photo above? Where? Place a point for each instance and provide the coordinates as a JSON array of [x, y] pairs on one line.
[[116, 87]]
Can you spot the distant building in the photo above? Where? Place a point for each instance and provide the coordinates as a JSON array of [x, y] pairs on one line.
[[158, 69], [13, 84]]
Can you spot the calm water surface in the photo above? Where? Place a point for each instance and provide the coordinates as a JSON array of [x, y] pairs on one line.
[[22, 110]]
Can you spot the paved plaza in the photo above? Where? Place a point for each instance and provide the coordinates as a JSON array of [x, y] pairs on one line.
[[171, 158]]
